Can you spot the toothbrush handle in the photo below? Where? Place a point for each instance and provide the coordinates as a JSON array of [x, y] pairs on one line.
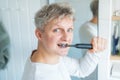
[[84, 46]]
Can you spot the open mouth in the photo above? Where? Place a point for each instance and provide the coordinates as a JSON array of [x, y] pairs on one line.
[[63, 45]]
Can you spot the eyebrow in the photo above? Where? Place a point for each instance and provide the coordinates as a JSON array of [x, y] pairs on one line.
[[63, 26]]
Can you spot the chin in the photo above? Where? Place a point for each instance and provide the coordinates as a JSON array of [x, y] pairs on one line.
[[63, 54]]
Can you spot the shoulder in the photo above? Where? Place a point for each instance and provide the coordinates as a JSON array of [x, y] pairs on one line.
[[69, 60], [88, 24]]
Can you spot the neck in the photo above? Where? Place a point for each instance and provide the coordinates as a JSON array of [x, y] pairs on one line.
[[94, 20], [44, 57]]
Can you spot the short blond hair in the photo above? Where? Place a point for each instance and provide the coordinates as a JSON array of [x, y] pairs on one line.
[[52, 11]]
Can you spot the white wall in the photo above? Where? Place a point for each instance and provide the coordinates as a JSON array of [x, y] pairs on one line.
[[105, 31], [115, 5], [17, 17]]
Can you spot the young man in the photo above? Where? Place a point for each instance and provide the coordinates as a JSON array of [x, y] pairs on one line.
[[88, 30], [54, 29]]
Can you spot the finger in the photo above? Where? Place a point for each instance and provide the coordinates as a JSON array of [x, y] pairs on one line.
[[94, 43]]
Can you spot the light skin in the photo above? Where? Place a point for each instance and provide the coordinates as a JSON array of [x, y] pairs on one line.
[[55, 32], [94, 20], [58, 31]]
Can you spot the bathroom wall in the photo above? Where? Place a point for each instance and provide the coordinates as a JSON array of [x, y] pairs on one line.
[[17, 17], [105, 10]]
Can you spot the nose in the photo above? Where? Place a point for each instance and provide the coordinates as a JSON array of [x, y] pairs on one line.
[[66, 36]]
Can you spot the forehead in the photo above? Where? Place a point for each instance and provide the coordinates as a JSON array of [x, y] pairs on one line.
[[63, 22]]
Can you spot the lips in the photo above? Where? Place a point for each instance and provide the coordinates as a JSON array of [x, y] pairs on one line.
[[62, 45]]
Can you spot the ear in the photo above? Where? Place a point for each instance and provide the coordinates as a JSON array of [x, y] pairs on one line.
[[38, 34]]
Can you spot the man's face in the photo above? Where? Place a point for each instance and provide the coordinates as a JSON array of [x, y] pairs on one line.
[[56, 32]]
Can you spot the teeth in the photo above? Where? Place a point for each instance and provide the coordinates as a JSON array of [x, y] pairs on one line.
[[62, 45]]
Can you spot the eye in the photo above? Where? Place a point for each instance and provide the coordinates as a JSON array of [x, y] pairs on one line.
[[56, 30], [70, 30]]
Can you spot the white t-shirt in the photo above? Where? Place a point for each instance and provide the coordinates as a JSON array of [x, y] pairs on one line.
[[63, 70], [86, 32]]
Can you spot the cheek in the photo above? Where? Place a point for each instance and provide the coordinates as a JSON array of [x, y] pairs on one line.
[[71, 38], [52, 39]]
